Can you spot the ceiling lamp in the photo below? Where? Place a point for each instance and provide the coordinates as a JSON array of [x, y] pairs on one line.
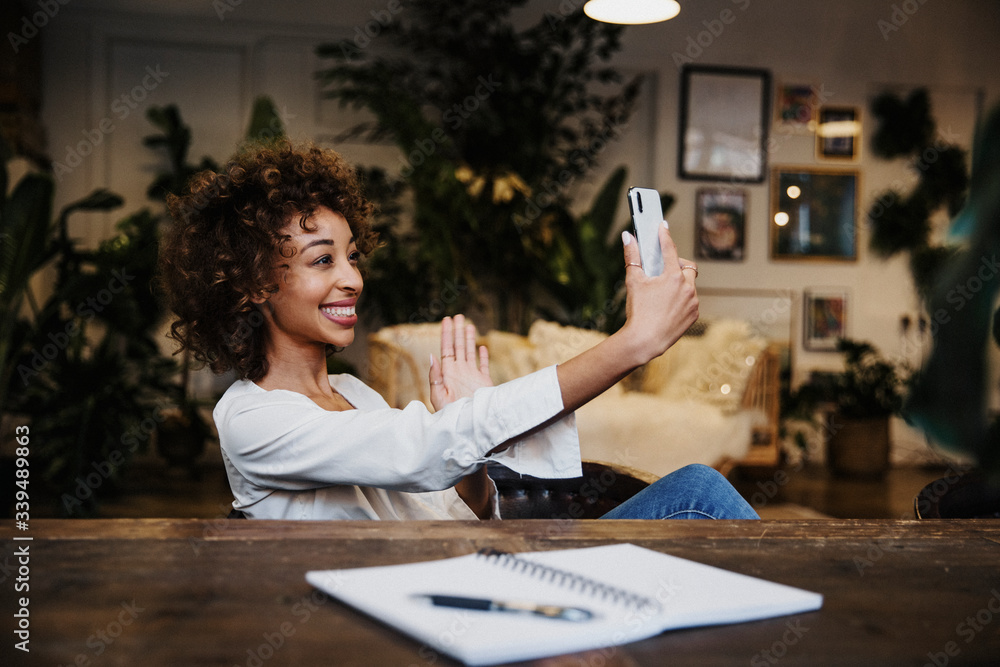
[[632, 12]]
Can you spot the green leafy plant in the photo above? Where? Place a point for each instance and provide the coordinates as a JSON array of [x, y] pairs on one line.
[[496, 125], [584, 271], [81, 362], [869, 386], [901, 222]]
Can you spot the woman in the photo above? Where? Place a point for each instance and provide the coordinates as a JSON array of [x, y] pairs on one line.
[[262, 271]]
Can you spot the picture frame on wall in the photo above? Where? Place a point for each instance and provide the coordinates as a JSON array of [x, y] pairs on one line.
[[838, 133], [723, 123], [824, 318], [720, 224], [795, 107], [814, 214]]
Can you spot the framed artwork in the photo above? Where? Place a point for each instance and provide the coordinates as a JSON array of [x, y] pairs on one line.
[[814, 214], [724, 122], [824, 319], [796, 106], [838, 133], [720, 224]]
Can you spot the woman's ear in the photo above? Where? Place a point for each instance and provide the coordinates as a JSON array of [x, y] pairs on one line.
[[260, 297]]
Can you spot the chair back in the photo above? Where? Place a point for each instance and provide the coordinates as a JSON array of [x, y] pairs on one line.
[[972, 495], [601, 488]]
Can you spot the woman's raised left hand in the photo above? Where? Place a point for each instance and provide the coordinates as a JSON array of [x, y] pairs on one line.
[[463, 368]]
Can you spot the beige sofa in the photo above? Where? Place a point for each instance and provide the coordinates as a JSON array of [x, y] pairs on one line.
[[713, 398]]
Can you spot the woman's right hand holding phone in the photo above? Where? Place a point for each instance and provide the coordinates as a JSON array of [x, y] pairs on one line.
[[659, 309]]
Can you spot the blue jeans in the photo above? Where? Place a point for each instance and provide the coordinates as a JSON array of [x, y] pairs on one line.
[[693, 492]]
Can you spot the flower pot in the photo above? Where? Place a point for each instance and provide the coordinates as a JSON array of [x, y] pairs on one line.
[[858, 447]]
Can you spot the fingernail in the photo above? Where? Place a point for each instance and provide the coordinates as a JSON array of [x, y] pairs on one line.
[[666, 225], [626, 238]]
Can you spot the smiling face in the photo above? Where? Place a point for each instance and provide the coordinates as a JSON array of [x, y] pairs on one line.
[[318, 286]]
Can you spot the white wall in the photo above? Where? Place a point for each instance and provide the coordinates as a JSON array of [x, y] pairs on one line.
[[97, 51]]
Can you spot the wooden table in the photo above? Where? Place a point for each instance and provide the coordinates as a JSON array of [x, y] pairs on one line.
[[228, 592]]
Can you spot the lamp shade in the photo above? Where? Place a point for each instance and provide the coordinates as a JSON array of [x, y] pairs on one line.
[[631, 12]]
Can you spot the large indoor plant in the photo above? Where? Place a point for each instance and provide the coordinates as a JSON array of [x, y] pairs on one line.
[[79, 339], [496, 126], [80, 366]]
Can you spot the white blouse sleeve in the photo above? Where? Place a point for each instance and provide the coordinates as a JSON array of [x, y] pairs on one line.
[[282, 440]]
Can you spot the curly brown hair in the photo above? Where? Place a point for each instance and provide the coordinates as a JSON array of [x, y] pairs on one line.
[[222, 249]]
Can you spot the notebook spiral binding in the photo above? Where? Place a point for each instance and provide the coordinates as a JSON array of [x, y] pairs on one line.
[[571, 580]]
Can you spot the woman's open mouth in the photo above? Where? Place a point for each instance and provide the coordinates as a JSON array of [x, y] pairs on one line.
[[343, 315]]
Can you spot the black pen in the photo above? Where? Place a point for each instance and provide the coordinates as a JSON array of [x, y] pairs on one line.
[[483, 604]]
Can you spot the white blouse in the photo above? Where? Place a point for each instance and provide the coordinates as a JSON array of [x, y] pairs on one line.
[[288, 458]]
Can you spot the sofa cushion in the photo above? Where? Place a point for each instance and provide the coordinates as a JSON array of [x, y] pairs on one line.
[[646, 432], [712, 368], [511, 356], [409, 375], [555, 343]]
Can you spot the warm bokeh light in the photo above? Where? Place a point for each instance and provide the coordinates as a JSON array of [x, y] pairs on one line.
[[839, 128], [781, 218], [794, 191]]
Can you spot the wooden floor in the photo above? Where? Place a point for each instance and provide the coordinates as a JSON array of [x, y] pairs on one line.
[[791, 493], [815, 488]]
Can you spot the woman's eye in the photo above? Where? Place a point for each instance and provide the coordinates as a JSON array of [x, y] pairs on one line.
[[354, 256], [325, 259]]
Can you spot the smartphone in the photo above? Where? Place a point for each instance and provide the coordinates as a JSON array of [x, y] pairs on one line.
[[647, 216]]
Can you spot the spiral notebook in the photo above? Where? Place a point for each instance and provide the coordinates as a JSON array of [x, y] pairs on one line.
[[631, 592]]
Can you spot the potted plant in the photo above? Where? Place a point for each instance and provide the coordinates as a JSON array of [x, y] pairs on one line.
[[857, 404], [496, 124], [79, 363]]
